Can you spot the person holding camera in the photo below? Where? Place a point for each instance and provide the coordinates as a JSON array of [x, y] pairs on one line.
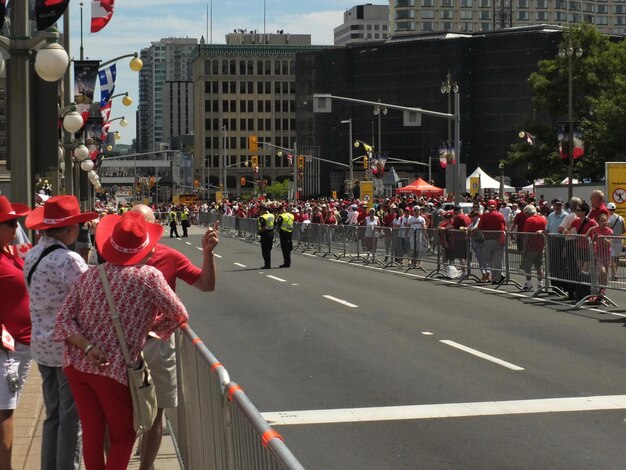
[[15, 319]]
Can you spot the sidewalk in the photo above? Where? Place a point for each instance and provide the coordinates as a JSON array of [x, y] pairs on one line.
[[28, 424]]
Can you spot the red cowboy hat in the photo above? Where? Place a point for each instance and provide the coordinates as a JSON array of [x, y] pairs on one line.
[[10, 211], [126, 239], [58, 211]]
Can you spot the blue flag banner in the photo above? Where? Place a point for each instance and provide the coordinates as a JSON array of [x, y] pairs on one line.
[[107, 83]]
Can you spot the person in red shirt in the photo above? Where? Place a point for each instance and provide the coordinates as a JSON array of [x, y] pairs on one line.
[[580, 226], [518, 226], [602, 249], [494, 224], [597, 205], [389, 213], [533, 243], [160, 355], [458, 241], [15, 317]]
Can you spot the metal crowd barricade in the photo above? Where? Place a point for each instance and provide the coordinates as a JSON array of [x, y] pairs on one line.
[[215, 425]]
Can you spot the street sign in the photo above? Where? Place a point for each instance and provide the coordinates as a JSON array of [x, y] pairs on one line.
[[308, 158]]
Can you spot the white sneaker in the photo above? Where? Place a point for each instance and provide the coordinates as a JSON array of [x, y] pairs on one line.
[[528, 286], [540, 284]]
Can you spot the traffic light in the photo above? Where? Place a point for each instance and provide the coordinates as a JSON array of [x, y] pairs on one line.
[[255, 160], [253, 144], [300, 162], [242, 182], [365, 162]]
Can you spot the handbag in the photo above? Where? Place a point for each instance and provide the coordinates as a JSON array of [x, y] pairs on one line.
[[139, 380]]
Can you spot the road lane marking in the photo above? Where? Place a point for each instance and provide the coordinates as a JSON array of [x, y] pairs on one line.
[[481, 355], [188, 243], [240, 265], [199, 248], [276, 278], [343, 302], [427, 333], [446, 410]]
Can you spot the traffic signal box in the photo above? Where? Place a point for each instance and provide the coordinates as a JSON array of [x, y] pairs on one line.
[[300, 162], [365, 162], [253, 144], [255, 160], [242, 182]]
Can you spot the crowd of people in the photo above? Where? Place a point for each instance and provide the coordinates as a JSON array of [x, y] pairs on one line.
[[55, 313]]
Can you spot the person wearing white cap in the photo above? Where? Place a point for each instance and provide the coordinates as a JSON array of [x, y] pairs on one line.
[[616, 223]]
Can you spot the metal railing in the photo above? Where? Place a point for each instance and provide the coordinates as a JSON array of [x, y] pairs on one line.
[[576, 266], [215, 424]]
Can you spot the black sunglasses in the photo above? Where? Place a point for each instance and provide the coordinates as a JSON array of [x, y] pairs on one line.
[[11, 223]]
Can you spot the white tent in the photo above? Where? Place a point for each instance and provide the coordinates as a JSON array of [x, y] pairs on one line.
[[486, 181], [532, 186]]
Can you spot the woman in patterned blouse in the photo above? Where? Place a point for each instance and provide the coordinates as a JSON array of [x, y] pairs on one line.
[[94, 363]]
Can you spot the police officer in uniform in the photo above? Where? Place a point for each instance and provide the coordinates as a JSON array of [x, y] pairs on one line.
[[284, 222], [173, 222], [184, 221], [265, 225]]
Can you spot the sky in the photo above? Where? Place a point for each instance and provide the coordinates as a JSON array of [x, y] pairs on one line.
[[137, 23]]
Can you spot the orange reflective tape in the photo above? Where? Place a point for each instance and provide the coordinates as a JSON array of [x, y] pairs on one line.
[[231, 391], [216, 365], [269, 435], [196, 341]]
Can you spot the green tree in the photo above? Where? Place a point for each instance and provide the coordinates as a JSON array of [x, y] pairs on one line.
[[278, 190], [598, 84]]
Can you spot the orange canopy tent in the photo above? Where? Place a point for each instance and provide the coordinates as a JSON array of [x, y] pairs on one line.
[[420, 187]]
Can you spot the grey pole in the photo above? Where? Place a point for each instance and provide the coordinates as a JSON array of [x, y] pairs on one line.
[[295, 173], [351, 161], [67, 99], [19, 138], [570, 106], [457, 148]]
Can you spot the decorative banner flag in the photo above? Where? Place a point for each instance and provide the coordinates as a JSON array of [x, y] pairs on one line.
[[85, 76], [48, 12], [7, 340], [93, 132], [107, 83], [579, 145], [101, 13]]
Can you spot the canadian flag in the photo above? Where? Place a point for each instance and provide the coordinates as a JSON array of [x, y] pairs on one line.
[[7, 340], [101, 13]]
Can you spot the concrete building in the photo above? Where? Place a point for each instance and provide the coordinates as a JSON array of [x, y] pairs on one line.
[[363, 23], [177, 109], [246, 87], [167, 60], [408, 17]]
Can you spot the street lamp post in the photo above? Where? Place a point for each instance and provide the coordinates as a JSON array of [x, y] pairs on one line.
[[378, 111], [501, 166], [351, 174], [50, 64], [570, 51], [448, 87]]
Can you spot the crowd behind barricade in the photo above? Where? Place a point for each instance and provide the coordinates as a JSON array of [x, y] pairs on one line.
[[572, 247]]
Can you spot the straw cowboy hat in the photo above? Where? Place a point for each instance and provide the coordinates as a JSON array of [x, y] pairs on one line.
[[126, 239], [10, 211], [58, 211]]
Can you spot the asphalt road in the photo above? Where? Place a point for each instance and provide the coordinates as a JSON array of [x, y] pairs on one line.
[[363, 369]]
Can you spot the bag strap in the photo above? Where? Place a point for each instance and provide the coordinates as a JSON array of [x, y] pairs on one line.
[[115, 316], [44, 253]]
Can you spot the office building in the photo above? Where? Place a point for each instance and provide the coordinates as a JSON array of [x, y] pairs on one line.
[[246, 87], [408, 17], [167, 60], [363, 23]]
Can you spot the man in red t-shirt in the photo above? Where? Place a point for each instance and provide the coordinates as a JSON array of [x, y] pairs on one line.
[[597, 205], [493, 222], [160, 355], [532, 253]]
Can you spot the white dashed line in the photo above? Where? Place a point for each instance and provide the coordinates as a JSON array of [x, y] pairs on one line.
[[188, 243], [276, 278], [240, 265], [481, 355], [427, 333], [447, 410], [343, 302]]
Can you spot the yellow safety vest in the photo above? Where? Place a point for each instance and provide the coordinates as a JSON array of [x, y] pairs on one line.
[[184, 216], [172, 216], [287, 223], [269, 222]]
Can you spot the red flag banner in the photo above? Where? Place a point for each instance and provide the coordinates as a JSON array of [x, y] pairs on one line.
[[101, 13], [48, 12]]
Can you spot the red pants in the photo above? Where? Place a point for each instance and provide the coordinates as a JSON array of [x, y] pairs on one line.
[[103, 401]]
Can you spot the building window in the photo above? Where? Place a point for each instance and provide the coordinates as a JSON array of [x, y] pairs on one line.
[[404, 3], [466, 15], [405, 14], [522, 16], [602, 20], [604, 9], [574, 6], [466, 3], [447, 3], [541, 16], [619, 9], [428, 14], [542, 4], [484, 15], [522, 3], [485, 4], [485, 26], [428, 26], [560, 16], [447, 26], [428, 3], [447, 14], [404, 26]]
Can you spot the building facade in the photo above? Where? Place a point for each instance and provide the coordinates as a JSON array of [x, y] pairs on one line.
[[246, 87], [408, 17], [167, 60], [491, 70], [177, 109], [363, 23]]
